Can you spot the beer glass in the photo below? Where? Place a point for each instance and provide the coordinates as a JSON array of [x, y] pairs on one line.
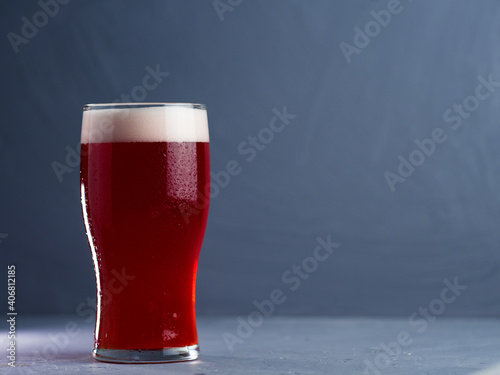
[[145, 191]]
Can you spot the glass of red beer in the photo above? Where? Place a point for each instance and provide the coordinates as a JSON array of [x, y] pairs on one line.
[[144, 189]]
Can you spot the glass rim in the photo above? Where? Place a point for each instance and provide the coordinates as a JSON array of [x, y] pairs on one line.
[[91, 106]]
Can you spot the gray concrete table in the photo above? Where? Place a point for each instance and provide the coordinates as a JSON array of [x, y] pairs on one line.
[[280, 345]]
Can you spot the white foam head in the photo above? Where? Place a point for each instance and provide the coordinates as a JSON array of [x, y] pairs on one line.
[[145, 123]]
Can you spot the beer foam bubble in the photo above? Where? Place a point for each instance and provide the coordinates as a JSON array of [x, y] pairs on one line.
[[170, 123]]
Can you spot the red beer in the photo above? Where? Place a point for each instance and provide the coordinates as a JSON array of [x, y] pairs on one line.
[[145, 208]]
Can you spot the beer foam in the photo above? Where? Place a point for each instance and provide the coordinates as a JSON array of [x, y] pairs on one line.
[[169, 123]]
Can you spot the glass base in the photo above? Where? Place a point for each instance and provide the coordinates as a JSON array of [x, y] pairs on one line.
[[184, 353]]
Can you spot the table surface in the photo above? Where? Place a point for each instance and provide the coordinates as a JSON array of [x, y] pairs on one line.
[[280, 345]]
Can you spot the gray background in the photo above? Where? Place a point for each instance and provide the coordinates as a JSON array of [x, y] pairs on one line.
[[322, 175]]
